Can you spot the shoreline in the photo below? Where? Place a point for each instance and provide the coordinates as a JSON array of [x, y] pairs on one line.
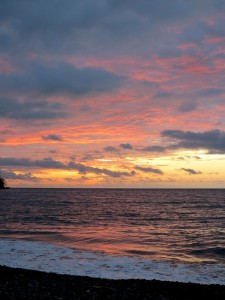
[[18, 283], [45, 257]]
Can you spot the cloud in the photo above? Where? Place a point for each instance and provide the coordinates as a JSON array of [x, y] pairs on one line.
[[22, 176], [87, 169], [21, 92], [52, 137], [206, 94], [191, 171], [163, 94], [5, 132], [48, 163], [58, 79], [87, 157], [154, 149], [83, 63], [188, 157], [188, 106], [210, 92], [126, 146], [25, 162], [213, 140], [149, 170], [30, 110], [110, 149], [117, 174], [84, 27]]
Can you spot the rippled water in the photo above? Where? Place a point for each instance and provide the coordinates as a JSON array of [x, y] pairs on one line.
[[163, 226]]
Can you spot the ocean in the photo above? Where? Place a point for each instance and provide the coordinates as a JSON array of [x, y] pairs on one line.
[[165, 234]]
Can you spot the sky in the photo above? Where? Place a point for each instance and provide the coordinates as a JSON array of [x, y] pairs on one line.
[[112, 93]]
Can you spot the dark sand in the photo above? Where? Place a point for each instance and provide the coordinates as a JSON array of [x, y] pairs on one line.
[[25, 284]]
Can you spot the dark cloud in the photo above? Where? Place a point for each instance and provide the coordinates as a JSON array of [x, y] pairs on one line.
[[21, 92], [210, 92], [191, 171], [10, 161], [149, 170], [48, 163], [52, 137], [6, 132], [86, 169], [85, 108], [87, 157], [154, 149], [213, 140], [170, 10], [163, 95], [188, 106], [110, 149], [30, 110], [58, 79], [23, 176], [188, 157], [117, 174], [25, 162], [76, 26], [126, 146]]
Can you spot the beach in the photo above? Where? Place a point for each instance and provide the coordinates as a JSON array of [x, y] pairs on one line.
[[27, 284]]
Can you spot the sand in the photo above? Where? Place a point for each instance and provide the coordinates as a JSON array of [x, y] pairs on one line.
[[27, 284]]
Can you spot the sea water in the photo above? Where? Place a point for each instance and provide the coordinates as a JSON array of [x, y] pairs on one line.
[[166, 234]]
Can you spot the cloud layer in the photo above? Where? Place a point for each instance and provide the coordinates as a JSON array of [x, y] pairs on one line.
[[112, 89], [191, 171], [49, 163], [213, 140]]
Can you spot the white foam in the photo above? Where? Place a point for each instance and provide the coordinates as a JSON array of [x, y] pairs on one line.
[[50, 258]]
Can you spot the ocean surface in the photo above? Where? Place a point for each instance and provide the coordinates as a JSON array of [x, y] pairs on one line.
[[166, 234]]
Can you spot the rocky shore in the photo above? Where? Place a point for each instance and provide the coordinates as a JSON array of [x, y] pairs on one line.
[[27, 284]]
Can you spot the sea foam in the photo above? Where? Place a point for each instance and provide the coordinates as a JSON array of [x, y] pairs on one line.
[[50, 258]]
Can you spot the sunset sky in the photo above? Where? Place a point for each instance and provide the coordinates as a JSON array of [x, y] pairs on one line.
[[112, 93]]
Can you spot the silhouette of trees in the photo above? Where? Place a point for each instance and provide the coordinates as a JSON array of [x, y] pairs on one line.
[[2, 183]]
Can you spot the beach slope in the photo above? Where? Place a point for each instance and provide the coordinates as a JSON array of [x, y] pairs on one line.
[[27, 284]]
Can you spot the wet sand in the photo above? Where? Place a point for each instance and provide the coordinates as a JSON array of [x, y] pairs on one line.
[[27, 284]]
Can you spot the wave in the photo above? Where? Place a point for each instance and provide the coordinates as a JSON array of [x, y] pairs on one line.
[[49, 258], [209, 252], [140, 252]]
